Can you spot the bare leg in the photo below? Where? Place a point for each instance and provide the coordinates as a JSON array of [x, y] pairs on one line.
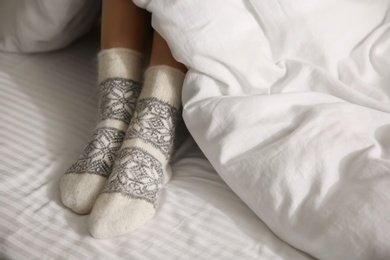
[[161, 54], [124, 25], [124, 31]]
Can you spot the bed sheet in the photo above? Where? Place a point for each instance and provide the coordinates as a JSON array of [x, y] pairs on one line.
[[48, 102]]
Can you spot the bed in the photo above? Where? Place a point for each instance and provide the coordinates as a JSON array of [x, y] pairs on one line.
[[289, 153], [49, 102]]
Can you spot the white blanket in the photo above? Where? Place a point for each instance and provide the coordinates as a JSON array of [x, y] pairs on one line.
[[289, 100]]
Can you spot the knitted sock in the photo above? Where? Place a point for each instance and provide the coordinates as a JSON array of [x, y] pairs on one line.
[[120, 72], [129, 198]]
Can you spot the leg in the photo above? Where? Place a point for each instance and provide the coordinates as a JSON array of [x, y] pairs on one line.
[[161, 54], [130, 196], [124, 31], [124, 25]]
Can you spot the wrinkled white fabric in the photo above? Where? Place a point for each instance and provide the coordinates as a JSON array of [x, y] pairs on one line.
[[44, 25], [289, 100]]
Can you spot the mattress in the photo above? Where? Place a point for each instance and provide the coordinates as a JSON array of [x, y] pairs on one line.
[[48, 104]]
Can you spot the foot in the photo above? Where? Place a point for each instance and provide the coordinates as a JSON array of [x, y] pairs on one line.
[[120, 88], [130, 196]]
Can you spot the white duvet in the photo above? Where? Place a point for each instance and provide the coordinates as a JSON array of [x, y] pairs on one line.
[[289, 100]]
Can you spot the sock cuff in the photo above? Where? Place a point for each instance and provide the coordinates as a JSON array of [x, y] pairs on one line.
[[120, 63], [164, 83]]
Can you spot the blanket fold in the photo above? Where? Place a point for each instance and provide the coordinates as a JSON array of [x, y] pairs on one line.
[[290, 103]]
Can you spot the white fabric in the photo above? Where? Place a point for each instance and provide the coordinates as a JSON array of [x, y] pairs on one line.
[[47, 107], [121, 63], [121, 209], [44, 25], [80, 189], [289, 100]]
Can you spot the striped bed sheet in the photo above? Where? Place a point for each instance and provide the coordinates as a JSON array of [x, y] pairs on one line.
[[47, 108]]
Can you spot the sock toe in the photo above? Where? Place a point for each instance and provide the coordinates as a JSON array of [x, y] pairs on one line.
[[76, 191], [115, 215]]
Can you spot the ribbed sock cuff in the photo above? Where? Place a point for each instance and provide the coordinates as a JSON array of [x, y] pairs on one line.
[[121, 63], [164, 83]]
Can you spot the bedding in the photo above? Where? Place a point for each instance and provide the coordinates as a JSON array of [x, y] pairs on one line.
[[44, 25], [289, 101], [288, 107], [48, 104]]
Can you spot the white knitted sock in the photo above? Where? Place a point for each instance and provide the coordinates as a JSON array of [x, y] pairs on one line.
[[120, 72], [129, 198]]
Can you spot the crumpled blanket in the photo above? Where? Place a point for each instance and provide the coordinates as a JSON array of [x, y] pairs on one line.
[[289, 100]]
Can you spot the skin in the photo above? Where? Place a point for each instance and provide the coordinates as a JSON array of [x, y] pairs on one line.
[[125, 25]]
